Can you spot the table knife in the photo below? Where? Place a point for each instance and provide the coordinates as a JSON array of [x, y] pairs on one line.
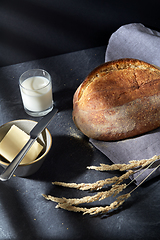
[[38, 128]]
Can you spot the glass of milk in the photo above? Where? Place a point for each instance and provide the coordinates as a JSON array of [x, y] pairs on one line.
[[36, 91]]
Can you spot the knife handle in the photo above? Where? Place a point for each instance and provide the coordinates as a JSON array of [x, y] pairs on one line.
[[8, 172]]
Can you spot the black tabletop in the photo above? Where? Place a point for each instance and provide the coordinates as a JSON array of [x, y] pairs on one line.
[[24, 213]]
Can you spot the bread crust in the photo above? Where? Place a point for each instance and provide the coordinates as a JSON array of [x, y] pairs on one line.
[[118, 100]]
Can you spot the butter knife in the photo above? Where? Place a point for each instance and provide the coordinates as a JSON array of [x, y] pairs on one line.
[[38, 128]]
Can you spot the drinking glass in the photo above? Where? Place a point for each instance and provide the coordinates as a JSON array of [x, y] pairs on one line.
[[36, 92]]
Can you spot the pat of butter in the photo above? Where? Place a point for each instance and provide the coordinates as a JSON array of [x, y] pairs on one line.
[[14, 141]]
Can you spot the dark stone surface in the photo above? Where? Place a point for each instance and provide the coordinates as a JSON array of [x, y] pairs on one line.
[[24, 213]]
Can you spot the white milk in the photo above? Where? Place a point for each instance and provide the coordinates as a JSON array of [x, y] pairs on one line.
[[36, 93]]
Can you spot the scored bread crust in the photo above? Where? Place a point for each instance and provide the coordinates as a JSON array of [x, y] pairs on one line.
[[118, 100]]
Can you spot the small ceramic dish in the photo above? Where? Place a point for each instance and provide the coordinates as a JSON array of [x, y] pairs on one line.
[[44, 139]]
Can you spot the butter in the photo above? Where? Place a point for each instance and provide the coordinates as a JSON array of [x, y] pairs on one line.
[[14, 141]]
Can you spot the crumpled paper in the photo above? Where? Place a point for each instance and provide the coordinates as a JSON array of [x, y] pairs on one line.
[[139, 42]]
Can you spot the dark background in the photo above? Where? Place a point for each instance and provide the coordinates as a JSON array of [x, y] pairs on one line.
[[32, 29]]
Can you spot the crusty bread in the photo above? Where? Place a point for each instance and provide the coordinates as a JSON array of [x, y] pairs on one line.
[[118, 100]]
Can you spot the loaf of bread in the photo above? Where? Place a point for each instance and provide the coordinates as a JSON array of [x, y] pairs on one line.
[[118, 100]]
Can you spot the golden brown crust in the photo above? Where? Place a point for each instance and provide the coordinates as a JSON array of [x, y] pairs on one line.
[[117, 100]]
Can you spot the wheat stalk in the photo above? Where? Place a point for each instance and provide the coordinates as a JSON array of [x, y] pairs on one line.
[[71, 204]]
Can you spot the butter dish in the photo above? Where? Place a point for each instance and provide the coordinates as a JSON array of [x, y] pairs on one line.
[[44, 139]]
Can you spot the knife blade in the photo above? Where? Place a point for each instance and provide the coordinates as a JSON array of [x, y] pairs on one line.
[[35, 132]]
